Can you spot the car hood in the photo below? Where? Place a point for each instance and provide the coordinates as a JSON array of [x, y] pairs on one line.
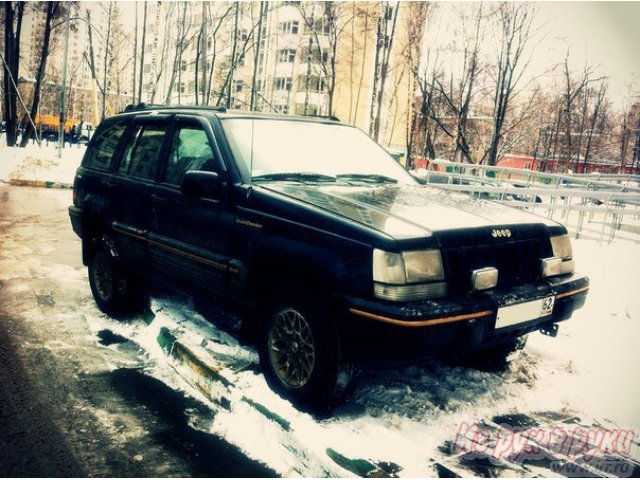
[[405, 211]]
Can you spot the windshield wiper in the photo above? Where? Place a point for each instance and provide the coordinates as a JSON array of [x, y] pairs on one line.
[[294, 177], [367, 177]]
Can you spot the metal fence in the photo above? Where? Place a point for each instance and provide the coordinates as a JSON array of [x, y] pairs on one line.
[[593, 206]]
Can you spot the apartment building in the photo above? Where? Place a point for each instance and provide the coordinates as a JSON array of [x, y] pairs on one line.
[[305, 58]]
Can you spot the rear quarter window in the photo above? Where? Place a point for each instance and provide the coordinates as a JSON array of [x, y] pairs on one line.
[[103, 146]]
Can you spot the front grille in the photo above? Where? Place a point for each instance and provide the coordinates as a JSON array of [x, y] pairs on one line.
[[517, 261]]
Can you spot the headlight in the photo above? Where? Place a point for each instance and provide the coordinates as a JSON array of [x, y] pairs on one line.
[[411, 275], [562, 261], [561, 246]]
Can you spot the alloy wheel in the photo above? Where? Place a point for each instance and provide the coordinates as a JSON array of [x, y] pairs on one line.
[[291, 348]]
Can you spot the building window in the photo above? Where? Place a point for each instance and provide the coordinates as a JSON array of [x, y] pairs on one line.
[[311, 109], [315, 84], [321, 26], [317, 55], [281, 108], [289, 27], [239, 85], [282, 83], [287, 55]]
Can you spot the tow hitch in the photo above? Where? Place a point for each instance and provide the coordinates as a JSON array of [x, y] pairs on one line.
[[550, 329]]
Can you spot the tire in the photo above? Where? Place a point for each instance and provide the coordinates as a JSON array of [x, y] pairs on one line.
[[114, 290], [300, 351]]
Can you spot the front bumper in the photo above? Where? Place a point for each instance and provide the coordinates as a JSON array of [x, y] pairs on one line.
[[385, 331], [75, 215]]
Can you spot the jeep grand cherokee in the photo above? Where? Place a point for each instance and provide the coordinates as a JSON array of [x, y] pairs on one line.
[[326, 248]]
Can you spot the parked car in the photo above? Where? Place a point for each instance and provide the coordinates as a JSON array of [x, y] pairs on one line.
[[332, 255]]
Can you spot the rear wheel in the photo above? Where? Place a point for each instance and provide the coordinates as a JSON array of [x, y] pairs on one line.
[[300, 351], [114, 290]]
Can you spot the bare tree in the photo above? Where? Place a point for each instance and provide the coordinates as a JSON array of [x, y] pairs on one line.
[[597, 113], [572, 89], [385, 34], [142, 44], [636, 149], [240, 47], [183, 39], [13, 13], [625, 137], [107, 56], [53, 11], [329, 24], [158, 61], [515, 20], [458, 94], [135, 54]]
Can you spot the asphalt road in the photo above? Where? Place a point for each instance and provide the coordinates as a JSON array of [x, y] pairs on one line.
[[73, 402]]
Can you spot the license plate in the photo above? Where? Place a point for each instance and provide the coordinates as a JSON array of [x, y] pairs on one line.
[[524, 312]]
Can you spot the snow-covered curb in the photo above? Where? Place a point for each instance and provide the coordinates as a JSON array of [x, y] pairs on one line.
[[39, 166]]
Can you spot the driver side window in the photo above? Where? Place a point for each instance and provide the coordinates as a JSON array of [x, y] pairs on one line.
[[190, 150]]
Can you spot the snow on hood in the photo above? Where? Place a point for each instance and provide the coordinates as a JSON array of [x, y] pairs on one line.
[[406, 211]]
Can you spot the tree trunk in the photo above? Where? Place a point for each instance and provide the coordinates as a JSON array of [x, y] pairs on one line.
[[142, 44], [256, 57], [52, 8], [135, 54], [384, 66], [11, 67], [205, 44]]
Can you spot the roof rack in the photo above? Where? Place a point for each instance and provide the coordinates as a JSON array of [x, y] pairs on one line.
[[152, 106]]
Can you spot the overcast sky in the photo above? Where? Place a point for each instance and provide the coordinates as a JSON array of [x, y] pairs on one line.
[[604, 35]]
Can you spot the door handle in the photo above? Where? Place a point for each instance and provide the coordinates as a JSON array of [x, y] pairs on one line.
[[158, 198]]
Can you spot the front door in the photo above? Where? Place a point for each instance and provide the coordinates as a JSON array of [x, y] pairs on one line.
[[184, 231]]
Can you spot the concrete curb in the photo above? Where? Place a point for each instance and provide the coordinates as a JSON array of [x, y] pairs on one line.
[[38, 183], [208, 376], [199, 367]]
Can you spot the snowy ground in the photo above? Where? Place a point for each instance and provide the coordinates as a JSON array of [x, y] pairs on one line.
[[398, 420], [40, 163], [401, 417]]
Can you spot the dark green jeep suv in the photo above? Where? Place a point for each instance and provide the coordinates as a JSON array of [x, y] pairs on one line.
[[330, 253]]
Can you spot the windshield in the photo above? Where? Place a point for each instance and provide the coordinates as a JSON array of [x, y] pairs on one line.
[[287, 150]]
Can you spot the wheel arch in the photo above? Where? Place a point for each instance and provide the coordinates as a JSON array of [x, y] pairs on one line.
[[288, 264]]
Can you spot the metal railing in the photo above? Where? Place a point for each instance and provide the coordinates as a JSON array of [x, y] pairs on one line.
[[593, 206]]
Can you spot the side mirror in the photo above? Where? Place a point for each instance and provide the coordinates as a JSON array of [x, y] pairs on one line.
[[200, 185]]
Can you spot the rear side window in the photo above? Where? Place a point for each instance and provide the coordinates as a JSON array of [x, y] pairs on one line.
[[142, 154], [103, 146], [190, 150]]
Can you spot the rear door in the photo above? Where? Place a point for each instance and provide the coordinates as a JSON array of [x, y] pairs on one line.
[[132, 185], [184, 232]]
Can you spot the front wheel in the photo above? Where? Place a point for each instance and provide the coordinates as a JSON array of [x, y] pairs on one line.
[[114, 290], [301, 354]]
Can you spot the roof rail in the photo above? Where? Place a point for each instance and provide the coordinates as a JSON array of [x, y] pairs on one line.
[[326, 117], [151, 106]]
